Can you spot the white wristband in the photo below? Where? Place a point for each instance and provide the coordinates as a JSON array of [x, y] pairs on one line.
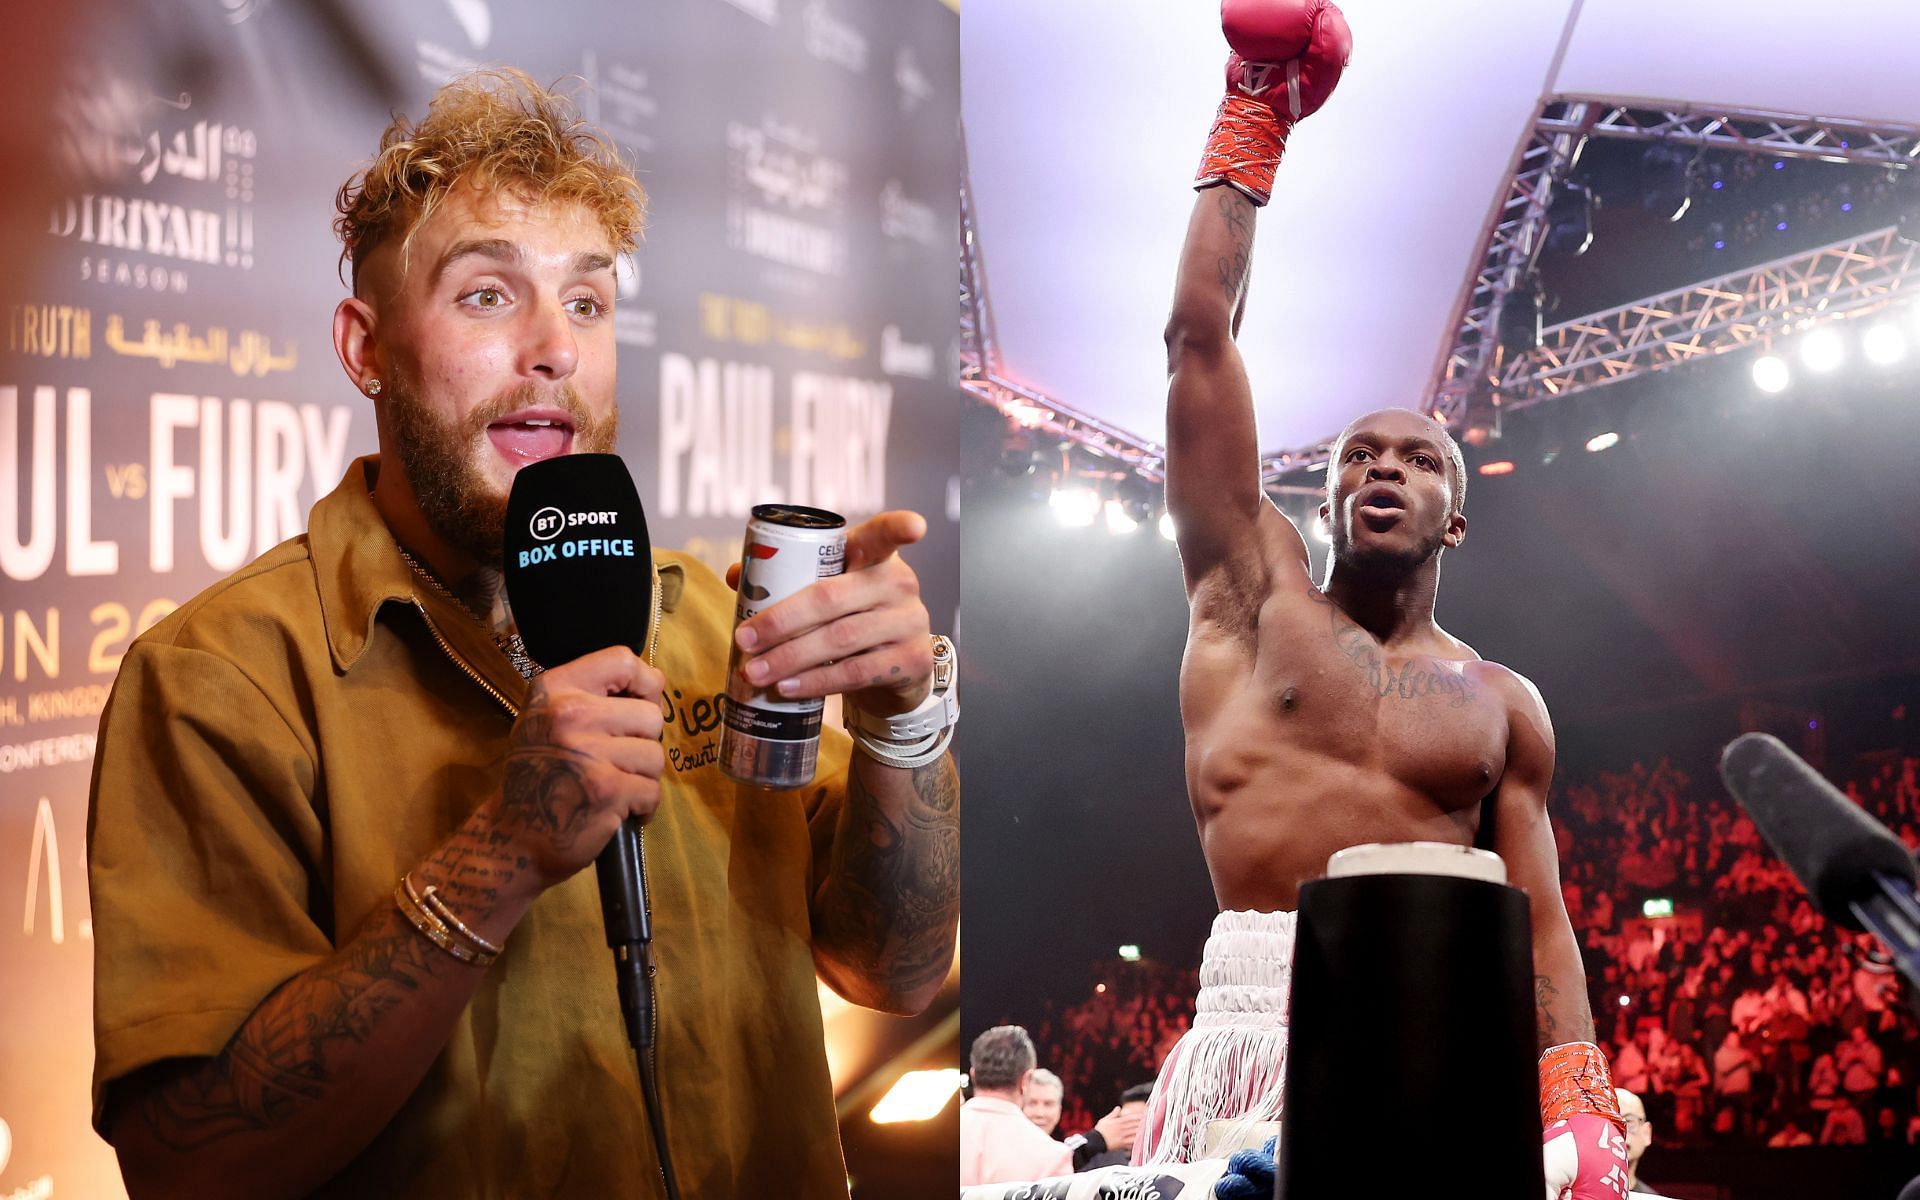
[[918, 736]]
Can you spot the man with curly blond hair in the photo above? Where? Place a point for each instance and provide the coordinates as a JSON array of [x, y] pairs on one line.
[[344, 944]]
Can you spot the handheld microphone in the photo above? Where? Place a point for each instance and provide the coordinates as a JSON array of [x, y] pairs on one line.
[[1858, 873], [579, 575]]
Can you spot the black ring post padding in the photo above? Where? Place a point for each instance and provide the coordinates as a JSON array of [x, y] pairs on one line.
[[1411, 1057]]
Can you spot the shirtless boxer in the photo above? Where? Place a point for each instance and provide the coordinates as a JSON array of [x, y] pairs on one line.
[[1322, 717]]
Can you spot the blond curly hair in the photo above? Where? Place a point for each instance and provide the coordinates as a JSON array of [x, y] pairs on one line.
[[496, 130]]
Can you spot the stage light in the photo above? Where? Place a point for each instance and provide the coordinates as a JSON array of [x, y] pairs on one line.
[[1117, 519], [1770, 374], [1822, 351], [1884, 344], [1499, 466], [1625, 1000], [1130, 953], [1026, 415], [916, 1096], [1166, 526], [1604, 441], [1320, 531], [1020, 459], [1570, 220], [1518, 326], [1653, 909], [1100, 989], [1666, 181], [1075, 504], [1137, 498]]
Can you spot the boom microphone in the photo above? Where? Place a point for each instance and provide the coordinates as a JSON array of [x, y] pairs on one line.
[[1832, 845], [1855, 869]]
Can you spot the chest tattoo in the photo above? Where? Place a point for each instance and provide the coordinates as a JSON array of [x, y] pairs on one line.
[[1412, 680]]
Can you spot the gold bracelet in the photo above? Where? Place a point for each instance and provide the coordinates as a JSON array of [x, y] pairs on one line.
[[438, 907], [431, 927]]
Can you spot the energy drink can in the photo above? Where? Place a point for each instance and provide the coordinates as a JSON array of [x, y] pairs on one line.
[[768, 739]]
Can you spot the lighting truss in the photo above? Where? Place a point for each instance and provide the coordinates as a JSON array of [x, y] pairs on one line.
[[1510, 241], [1846, 278], [1849, 277], [1470, 373]]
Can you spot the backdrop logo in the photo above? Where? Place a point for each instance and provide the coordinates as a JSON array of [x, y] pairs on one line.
[[203, 168], [782, 165], [632, 326], [619, 99], [908, 219], [780, 177], [915, 88], [547, 523], [833, 40], [901, 357]]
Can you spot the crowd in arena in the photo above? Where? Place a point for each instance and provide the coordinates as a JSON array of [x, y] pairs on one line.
[[1743, 1018]]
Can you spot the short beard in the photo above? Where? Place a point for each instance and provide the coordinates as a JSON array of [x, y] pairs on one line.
[[1382, 563], [438, 456]]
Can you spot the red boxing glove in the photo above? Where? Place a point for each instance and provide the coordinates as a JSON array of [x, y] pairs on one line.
[[1288, 55], [1586, 1159], [1584, 1144]]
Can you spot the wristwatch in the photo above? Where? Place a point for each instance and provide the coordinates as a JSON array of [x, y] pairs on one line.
[[920, 735]]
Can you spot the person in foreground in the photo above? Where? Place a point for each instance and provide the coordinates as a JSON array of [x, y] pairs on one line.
[[326, 797], [1323, 716], [999, 1143]]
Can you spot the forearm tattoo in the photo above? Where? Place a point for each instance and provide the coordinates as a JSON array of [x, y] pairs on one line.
[[287, 1061], [1236, 264], [891, 901], [290, 1052]]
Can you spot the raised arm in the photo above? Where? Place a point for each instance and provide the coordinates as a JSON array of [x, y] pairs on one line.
[[1288, 55], [1213, 459]]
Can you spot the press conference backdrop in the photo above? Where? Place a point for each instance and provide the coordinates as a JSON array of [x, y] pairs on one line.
[[170, 405]]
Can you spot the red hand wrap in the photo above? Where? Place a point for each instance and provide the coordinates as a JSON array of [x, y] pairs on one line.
[[1244, 147], [1574, 1079]]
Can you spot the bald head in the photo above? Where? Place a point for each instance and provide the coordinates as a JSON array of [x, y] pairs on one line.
[[1639, 1133], [1401, 424]]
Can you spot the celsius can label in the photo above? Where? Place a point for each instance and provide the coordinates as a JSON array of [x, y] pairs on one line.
[[768, 739]]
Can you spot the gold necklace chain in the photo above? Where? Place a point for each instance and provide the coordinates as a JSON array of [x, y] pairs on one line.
[[511, 644]]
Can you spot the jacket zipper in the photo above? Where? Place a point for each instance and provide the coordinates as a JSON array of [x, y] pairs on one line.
[[653, 645], [451, 653]]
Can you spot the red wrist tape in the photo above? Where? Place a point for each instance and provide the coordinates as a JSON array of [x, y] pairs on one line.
[[1574, 1079], [1244, 147]]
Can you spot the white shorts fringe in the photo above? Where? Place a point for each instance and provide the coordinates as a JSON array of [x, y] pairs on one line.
[[1231, 1065]]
